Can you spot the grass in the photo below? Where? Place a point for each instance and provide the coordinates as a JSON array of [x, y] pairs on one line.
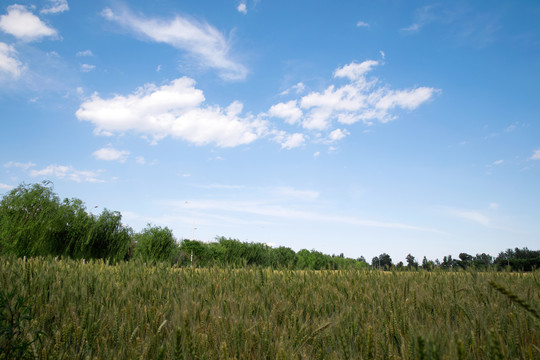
[[133, 311]]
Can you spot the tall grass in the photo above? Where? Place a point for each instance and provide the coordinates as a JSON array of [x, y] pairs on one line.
[[133, 311]]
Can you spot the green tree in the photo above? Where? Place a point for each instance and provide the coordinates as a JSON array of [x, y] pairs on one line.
[[29, 221], [465, 260], [156, 244], [107, 238], [411, 262], [283, 257], [385, 261]]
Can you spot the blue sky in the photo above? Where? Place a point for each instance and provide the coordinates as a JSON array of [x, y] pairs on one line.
[[348, 127]]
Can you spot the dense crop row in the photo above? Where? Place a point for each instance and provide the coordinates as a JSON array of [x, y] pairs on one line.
[[131, 311]]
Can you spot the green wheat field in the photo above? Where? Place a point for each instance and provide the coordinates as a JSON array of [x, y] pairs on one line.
[[68, 309]]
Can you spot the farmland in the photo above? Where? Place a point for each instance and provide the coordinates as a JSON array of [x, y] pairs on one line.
[[70, 309]]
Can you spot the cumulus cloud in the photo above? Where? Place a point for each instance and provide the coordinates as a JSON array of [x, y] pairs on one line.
[[175, 109], [288, 111], [111, 154], [201, 40], [24, 25], [242, 8], [536, 155], [55, 7], [337, 135], [290, 141], [498, 162], [359, 100], [362, 24], [9, 63], [355, 71]]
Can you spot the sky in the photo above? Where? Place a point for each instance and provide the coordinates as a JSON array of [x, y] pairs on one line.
[[354, 127]]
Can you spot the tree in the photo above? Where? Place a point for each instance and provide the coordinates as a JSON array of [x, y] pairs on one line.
[[427, 264], [411, 262], [284, 257], [155, 244], [385, 261], [29, 221], [465, 260], [107, 238], [482, 261]]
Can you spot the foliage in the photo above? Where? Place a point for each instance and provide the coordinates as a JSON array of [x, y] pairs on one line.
[[29, 221], [383, 261], [519, 259], [34, 222], [16, 339], [156, 244], [131, 311]]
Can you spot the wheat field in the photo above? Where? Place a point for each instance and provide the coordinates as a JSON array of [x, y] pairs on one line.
[[70, 309]]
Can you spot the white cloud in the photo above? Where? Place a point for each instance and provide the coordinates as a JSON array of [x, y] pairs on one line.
[[111, 154], [337, 135], [201, 40], [140, 160], [298, 88], [355, 71], [359, 100], [175, 110], [536, 155], [383, 55], [24, 25], [56, 6], [24, 166], [470, 215], [493, 206], [412, 28], [424, 16], [87, 67], [66, 172], [270, 209], [498, 162], [288, 111], [290, 141], [290, 192], [8, 61], [5, 187], [85, 53], [317, 154], [362, 24], [242, 8]]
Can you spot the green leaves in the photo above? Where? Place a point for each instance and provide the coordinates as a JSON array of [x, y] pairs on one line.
[[34, 222], [155, 244]]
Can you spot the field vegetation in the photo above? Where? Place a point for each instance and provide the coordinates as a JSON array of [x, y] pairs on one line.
[[70, 309]]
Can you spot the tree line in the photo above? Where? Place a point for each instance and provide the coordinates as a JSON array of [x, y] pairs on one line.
[[34, 221]]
